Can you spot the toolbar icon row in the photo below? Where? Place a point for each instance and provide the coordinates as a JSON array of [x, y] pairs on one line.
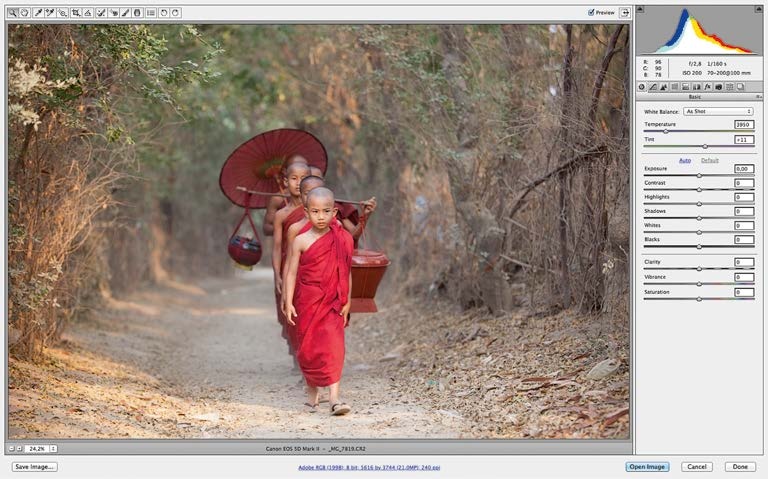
[[99, 13], [691, 86]]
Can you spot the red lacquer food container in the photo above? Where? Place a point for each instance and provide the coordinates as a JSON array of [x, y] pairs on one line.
[[368, 267], [246, 252]]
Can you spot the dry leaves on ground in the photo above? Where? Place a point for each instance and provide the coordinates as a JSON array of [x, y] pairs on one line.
[[514, 376]]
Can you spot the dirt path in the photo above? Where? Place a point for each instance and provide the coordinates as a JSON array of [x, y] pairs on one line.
[[207, 361], [203, 360]]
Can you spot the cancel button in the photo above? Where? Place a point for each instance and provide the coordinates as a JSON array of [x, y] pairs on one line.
[[697, 467]]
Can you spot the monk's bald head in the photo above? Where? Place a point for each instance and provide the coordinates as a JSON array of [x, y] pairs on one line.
[[297, 168], [311, 182], [315, 171], [320, 196], [295, 159], [320, 208]]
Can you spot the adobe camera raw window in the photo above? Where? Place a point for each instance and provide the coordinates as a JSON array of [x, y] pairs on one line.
[[436, 239]]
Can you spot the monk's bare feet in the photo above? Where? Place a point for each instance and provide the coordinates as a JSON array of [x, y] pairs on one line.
[[338, 407], [334, 392], [321, 397], [312, 395]]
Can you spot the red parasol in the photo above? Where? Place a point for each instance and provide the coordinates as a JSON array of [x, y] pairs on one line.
[[255, 165]]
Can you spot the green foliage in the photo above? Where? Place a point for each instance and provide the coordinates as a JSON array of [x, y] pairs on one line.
[[173, 101], [141, 52], [36, 293], [82, 81], [130, 46]]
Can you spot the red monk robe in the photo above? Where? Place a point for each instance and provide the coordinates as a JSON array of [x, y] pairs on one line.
[[292, 329], [322, 289], [348, 211], [353, 216], [293, 217]]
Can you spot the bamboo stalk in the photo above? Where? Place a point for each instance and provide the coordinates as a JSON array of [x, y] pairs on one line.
[[339, 200], [283, 195], [261, 193]]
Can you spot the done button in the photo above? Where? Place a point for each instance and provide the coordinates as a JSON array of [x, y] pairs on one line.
[[740, 466], [647, 467]]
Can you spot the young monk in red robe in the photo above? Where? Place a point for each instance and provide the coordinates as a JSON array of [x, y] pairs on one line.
[[277, 202], [307, 184], [284, 218], [347, 212], [354, 228], [317, 288]]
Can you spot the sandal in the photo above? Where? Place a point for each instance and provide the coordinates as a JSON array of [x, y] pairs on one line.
[[311, 407], [339, 409]]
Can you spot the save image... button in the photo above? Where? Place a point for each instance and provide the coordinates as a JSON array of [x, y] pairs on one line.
[[35, 466], [647, 467]]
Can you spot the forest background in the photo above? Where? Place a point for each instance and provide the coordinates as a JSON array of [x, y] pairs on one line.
[[498, 154]]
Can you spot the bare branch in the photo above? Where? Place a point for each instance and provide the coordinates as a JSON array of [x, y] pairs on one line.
[[573, 162]]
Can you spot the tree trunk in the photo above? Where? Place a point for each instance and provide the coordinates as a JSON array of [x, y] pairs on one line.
[[484, 283], [597, 214], [562, 224]]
